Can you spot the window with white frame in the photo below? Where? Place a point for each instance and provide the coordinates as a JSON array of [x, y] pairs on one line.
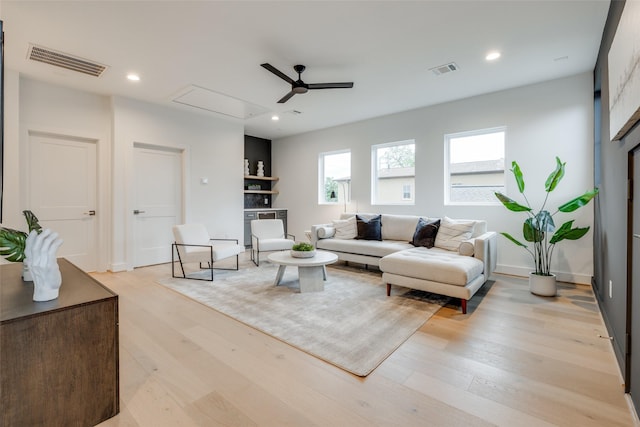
[[474, 166], [393, 173], [334, 177]]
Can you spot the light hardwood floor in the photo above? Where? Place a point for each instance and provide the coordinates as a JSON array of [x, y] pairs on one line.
[[514, 360]]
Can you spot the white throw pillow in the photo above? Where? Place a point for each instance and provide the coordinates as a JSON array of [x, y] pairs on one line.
[[326, 232], [345, 228], [453, 232]]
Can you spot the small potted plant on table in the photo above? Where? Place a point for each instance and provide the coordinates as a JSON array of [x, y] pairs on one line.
[[303, 250], [539, 225]]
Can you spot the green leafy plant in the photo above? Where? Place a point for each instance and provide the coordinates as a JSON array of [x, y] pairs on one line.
[[539, 225], [13, 242], [302, 247]]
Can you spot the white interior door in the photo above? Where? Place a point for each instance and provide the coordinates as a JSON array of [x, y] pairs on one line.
[[157, 204], [63, 193]]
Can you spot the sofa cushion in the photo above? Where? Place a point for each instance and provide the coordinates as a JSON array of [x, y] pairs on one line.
[[453, 232], [433, 264], [372, 248], [398, 227], [369, 229], [345, 228], [425, 233]]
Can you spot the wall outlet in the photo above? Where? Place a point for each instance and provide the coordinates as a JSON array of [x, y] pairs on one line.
[[610, 289]]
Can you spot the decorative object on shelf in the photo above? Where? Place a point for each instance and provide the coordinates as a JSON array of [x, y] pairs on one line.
[[303, 250], [40, 256], [254, 187], [246, 167], [538, 225], [13, 242], [260, 171]]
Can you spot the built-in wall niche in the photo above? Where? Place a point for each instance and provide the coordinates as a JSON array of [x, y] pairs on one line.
[[258, 190], [255, 150]]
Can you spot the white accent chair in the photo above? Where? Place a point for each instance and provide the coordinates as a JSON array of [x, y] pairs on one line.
[[268, 235], [193, 244]]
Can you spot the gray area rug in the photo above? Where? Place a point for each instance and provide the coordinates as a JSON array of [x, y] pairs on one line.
[[351, 324]]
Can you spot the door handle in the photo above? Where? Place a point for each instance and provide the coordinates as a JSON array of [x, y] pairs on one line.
[[136, 212], [90, 213], [637, 236]]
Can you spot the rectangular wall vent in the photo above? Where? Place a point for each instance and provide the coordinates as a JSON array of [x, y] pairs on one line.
[[64, 60], [443, 69]]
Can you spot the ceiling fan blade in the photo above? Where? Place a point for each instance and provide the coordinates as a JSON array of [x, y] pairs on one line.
[[278, 73], [346, 85], [286, 97]]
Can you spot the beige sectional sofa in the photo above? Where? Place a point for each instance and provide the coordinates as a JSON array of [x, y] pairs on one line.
[[453, 267]]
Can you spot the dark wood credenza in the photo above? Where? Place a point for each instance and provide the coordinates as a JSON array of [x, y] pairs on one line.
[[58, 359]]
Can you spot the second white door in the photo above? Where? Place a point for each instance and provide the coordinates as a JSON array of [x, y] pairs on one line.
[[157, 202]]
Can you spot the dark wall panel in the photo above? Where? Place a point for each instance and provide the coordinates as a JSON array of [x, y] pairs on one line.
[[610, 228]]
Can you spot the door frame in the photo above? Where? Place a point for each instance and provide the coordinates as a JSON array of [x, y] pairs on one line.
[[629, 292], [130, 180], [103, 178]]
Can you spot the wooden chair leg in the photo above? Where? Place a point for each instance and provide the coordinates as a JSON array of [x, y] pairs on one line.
[[463, 305], [388, 289]]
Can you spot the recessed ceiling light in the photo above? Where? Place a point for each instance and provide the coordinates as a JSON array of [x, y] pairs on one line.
[[275, 118], [133, 77], [492, 56]]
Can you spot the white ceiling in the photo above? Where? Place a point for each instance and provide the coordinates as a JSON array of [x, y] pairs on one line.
[[385, 47]]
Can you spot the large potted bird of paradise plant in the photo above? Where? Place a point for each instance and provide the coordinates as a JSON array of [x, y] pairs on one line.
[[539, 229]]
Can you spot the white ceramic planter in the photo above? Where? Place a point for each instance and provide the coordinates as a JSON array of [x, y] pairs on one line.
[[303, 254], [542, 285]]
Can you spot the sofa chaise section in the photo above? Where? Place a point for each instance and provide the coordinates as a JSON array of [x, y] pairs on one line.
[[456, 273]]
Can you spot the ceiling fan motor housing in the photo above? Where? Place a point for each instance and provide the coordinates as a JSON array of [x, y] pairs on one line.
[[299, 87]]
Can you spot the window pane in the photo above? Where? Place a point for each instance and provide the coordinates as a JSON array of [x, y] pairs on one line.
[[406, 192], [334, 177], [393, 172], [476, 166]]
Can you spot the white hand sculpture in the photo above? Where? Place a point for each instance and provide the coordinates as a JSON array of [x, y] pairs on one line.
[[40, 252]]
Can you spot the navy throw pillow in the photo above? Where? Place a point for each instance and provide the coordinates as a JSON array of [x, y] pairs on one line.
[[425, 234], [369, 229]]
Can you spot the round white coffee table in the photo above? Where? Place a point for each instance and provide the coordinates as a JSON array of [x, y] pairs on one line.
[[312, 272]]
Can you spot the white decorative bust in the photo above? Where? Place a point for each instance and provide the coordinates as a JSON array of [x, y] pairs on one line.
[[40, 256]]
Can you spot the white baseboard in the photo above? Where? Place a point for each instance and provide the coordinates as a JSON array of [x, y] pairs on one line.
[[632, 409], [121, 266], [511, 270]]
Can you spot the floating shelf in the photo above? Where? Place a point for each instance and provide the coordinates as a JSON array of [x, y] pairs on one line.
[[260, 192], [262, 178]]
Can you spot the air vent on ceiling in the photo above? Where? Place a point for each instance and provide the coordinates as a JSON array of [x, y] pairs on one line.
[[64, 60], [443, 69]]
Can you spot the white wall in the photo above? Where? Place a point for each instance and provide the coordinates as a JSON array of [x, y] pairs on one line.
[[215, 150], [543, 121]]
